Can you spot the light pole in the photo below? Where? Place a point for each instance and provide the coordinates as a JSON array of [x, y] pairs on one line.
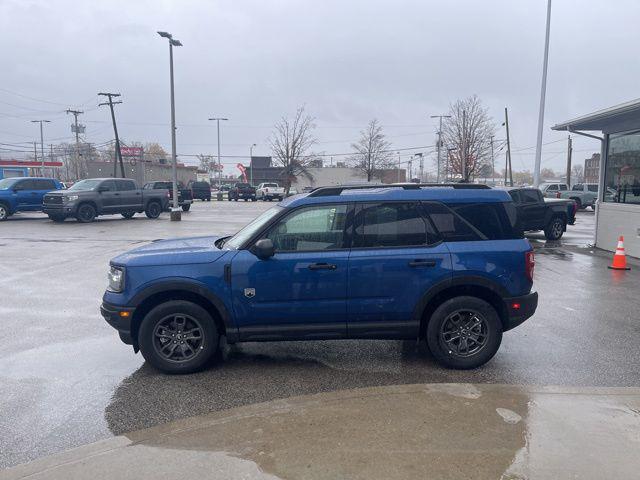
[[251, 162], [217, 119], [543, 91], [175, 211], [41, 142], [439, 142], [398, 166]]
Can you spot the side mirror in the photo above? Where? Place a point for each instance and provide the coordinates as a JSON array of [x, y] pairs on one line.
[[264, 249]]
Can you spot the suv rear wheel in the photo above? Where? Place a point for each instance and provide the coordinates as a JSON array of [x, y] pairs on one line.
[[178, 337], [464, 333]]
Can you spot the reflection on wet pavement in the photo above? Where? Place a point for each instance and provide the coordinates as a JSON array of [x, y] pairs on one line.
[[444, 431]]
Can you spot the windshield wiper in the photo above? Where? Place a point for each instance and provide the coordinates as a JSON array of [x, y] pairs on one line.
[[221, 241]]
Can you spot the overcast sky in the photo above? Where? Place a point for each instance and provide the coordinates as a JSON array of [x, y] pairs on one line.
[[347, 61]]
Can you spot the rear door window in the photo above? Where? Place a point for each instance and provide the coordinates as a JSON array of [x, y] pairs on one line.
[[392, 225], [577, 187], [592, 188], [125, 185], [529, 196], [43, 184]]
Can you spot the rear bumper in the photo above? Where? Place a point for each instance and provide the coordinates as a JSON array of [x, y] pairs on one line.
[[520, 309], [112, 314]]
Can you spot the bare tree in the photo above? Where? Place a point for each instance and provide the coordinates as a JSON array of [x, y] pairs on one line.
[[577, 174], [207, 162], [467, 135], [373, 151], [291, 143], [547, 173]]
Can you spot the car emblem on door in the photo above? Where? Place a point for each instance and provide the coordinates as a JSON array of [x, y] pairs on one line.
[[249, 292]]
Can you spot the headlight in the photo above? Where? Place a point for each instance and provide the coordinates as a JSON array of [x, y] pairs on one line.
[[116, 279], [70, 198]]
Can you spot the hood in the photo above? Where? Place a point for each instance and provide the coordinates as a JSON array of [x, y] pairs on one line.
[[176, 251]]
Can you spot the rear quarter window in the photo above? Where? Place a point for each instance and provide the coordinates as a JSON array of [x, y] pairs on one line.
[[496, 221]]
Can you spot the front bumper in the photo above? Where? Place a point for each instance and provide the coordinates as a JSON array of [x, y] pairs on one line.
[[519, 309], [64, 209], [120, 319]]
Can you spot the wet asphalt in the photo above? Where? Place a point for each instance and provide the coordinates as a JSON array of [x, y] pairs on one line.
[[68, 380]]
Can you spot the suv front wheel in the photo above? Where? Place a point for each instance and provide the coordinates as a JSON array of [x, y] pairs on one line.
[[464, 333], [178, 337]]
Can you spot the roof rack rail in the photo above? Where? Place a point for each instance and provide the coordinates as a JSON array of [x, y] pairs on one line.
[[338, 189]]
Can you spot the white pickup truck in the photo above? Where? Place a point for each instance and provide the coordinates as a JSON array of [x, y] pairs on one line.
[[269, 191]]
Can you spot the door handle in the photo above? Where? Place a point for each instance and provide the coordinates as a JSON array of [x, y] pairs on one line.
[[116, 194], [322, 266], [422, 263]]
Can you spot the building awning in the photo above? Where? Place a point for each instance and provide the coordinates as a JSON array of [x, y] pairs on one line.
[[618, 118]]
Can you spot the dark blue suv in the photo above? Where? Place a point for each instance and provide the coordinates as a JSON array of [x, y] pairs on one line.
[[446, 264]]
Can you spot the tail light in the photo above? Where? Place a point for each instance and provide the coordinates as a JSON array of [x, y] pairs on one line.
[[266, 190], [529, 264], [557, 194], [168, 194]]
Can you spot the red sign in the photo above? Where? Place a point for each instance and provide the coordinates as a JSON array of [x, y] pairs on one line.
[[131, 151], [26, 163]]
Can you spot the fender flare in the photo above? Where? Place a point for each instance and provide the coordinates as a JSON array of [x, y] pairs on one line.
[[457, 281], [186, 285]]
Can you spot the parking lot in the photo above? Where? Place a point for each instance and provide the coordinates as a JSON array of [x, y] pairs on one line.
[[68, 380]]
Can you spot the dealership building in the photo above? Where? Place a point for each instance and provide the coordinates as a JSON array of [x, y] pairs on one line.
[[618, 213]]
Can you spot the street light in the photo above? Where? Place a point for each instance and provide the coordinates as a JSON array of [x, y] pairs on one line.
[[175, 211], [217, 119], [41, 142], [543, 92], [251, 162], [439, 142]]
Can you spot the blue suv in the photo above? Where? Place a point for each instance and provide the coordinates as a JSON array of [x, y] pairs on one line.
[[446, 264], [24, 194]]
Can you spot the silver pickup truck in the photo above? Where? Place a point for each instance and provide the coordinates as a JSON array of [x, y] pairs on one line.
[[584, 194]]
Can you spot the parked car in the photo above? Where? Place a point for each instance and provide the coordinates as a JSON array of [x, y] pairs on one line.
[[243, 191], [448, 265], [553, 190], [584, 194], [24, 194], [269, 192], [200, 190], [87, 199], [538, 213], [184, 194]]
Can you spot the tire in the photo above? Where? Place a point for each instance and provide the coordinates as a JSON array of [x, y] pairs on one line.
[[86, 213], [555, 229], [153, 210], [442, 325], [127, 215], [4, 212], [208, 199], [578, 203], [253, 199], [186, 208], [57, 218], [160, 328]]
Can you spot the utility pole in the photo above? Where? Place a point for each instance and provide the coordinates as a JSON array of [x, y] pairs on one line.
[[111, 103], [217, 119], [493, 164], [543, 91], [41, 142], [569, 152], [35, 156], [411, 169], [439, 142], [463, 159], [421, 166], [398, 166], [251, 162], [77, 132], [508, 153], [175, 211]]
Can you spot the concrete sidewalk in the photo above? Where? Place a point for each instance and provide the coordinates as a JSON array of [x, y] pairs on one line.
[[396, 432]]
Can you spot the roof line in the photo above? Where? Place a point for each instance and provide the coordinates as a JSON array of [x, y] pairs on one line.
[[599, 114]]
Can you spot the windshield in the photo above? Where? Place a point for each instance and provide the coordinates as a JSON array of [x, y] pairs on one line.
[[85, 185], [247, 232], [7, 183]]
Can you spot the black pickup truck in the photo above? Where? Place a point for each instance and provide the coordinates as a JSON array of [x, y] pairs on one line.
[[242, 190], [538, 213], [185, 198], [87, 199]]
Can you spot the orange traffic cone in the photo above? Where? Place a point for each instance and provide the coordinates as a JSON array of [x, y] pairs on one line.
[[619, 259]]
